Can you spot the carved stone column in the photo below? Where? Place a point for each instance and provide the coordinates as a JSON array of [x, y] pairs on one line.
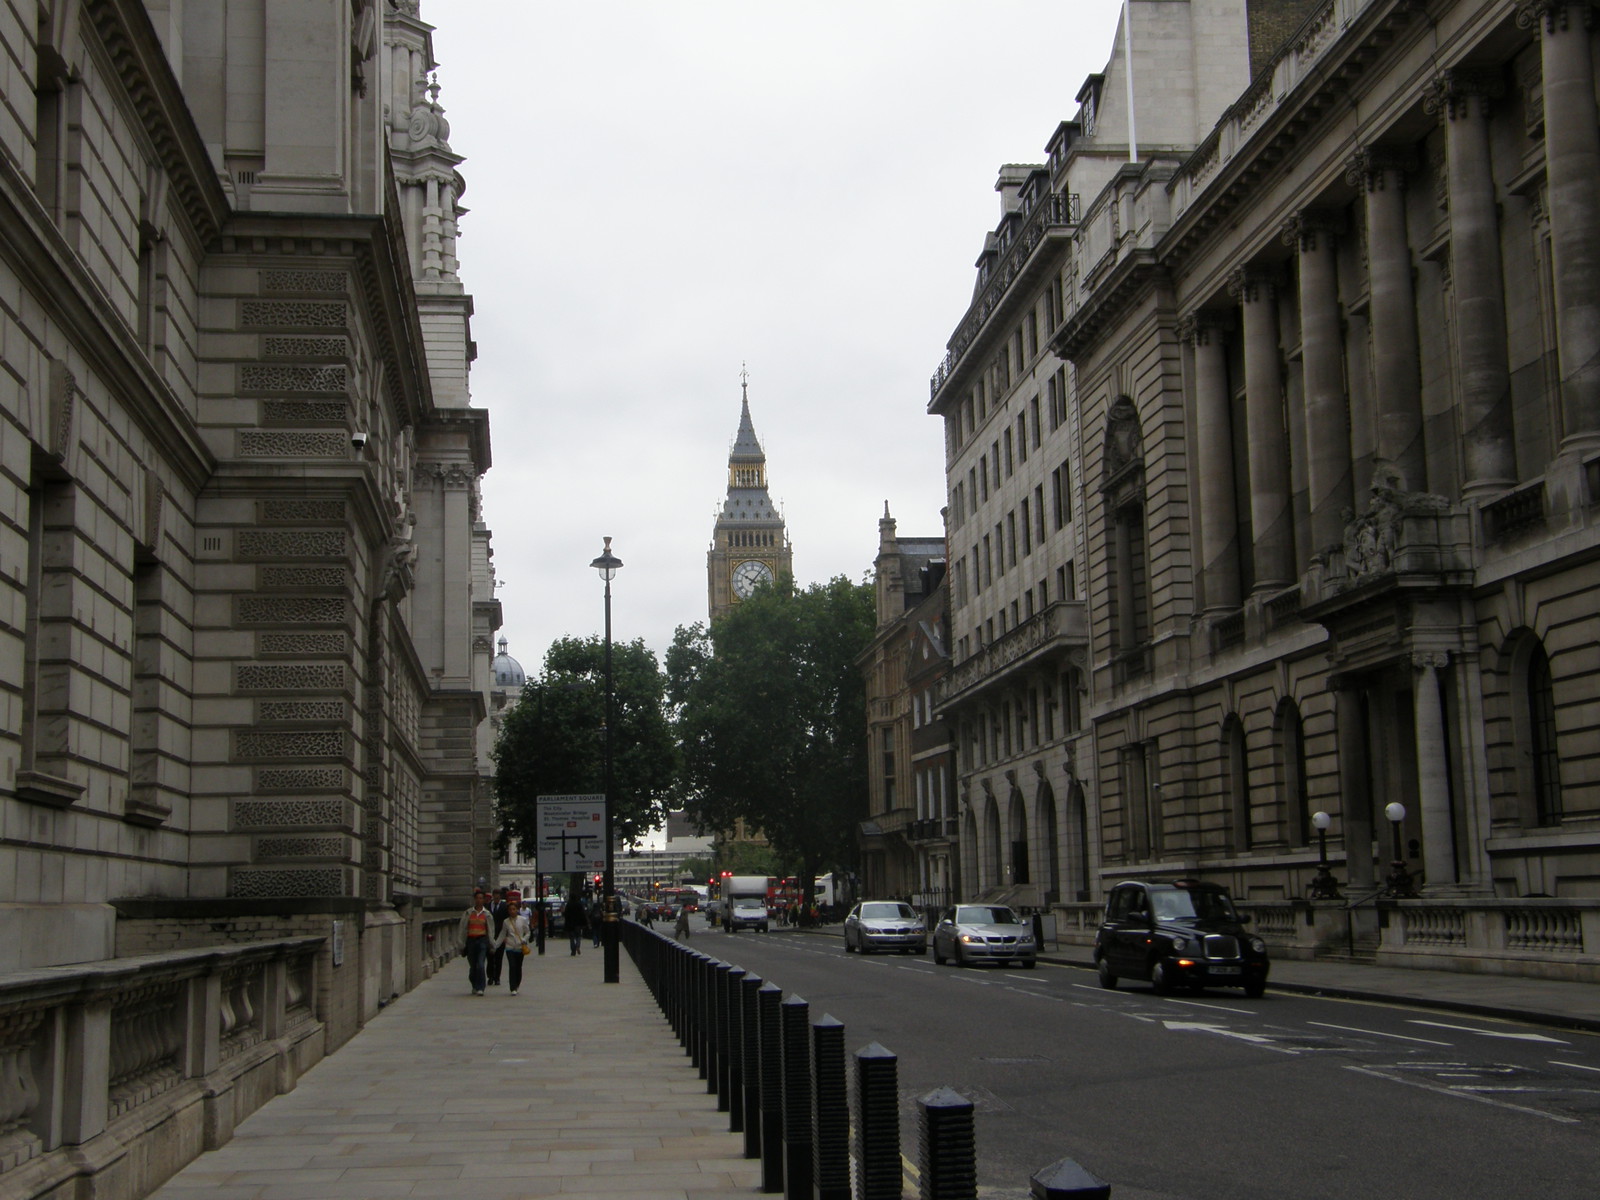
[[1433, 771], [1463, 97], [1396, 373], [1219, 518], [1572, 175], [1355, 783], [1271, 517], [1332, 489]]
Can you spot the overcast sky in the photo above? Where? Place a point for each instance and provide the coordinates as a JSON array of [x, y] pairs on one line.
[[663, 190]]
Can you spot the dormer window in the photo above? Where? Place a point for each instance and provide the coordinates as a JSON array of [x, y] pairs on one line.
[[1089, 104]]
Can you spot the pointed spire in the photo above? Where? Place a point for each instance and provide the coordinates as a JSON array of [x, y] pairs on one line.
[[745, 444]]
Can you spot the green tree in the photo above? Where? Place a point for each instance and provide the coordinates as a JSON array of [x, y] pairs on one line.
[[770, 712], [552, 740]]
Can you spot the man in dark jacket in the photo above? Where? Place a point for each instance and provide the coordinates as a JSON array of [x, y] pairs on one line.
[[576, 919]]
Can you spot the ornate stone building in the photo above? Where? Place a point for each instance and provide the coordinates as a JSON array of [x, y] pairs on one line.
[[908, 838], [1326, 337], [245, 578], [749, 543]]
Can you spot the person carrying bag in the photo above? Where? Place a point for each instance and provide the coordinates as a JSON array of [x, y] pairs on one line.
[[515, 941]]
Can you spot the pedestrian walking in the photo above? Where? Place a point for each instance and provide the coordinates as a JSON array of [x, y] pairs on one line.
[[515, 942], [576, 919], [597, 916], [497, 954], [681, 929], [473, 936]]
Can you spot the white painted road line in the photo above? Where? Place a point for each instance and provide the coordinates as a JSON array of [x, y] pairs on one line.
[[1494, 1033], [1462, 1094], [1379, 1033], [1556, 1062]]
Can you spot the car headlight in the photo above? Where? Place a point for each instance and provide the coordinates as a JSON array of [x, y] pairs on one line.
[[1179, 945], [1258, 945], [967, 937]]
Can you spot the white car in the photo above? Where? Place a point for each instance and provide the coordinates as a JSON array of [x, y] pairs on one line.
[[885, 925], [747, 914]]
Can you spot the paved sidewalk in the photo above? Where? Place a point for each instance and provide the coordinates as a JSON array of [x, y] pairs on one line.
[[573, 1086]]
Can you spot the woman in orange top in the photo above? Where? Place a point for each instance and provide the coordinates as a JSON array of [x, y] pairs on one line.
[[473, 935]]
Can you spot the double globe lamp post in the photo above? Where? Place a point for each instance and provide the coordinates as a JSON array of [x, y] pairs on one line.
[[608, 564]]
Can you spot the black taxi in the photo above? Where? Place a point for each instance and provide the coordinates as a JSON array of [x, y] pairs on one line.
[[1178, 934]]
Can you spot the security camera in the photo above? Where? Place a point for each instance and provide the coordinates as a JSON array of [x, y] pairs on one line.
[[358, 440]]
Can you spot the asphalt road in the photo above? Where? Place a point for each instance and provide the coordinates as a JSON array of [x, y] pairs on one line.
[[1211, 1096]]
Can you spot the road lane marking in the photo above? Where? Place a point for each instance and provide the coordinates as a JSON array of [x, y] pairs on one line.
[[1254, 1039], [1379, 1033], [1462, 1094], [1495, 1033], [1249, 1012], [1556, 1062]]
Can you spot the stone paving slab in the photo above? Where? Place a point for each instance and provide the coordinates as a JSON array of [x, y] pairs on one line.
[[572, 1088]]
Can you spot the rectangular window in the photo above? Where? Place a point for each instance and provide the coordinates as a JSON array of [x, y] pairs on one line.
[[1031, 327], [988, 562], [1022, 436], [1044, 593], [983, 478], [1027, 531], [1061, 495], [983, 401], [1011, 536], [1038, 511], [1010, 466], [999, 548], [1033, 419], [977, 575], [886, 745], [1027, 603]]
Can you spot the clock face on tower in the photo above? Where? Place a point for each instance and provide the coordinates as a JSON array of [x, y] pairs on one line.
[[747, 575]]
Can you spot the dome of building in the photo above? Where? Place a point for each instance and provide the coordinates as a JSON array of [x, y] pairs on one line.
[[506, 670]]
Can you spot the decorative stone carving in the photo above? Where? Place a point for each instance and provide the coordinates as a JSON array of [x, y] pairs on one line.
[[273, 884], [301, 847], [1370, 167], [300, 743], [63, 409], [301, 710], [1372, 537], [286, 377], [301, 644], [1305, 227], [276, 677], [301, 578], [256, 444], [1200, 326], [304, 412], [291, 314], [288, 346], [1452, 92], [288, 279], [300, 511], [261, 610], [1123, 444], [291, 543], [295, 812]]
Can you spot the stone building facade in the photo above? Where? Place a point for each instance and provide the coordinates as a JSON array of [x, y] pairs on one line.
[[245, 578], [1325, 336], [906, 840]]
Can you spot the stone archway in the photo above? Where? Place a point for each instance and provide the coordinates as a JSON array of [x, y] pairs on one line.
[[1077, 843], [1044, 804], [1017, 844], [992, 870]]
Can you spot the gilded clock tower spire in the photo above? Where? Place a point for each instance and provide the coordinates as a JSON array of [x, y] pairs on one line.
[[749, 544]]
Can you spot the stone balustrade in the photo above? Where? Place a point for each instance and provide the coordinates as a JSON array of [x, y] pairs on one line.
[[122, 1070]]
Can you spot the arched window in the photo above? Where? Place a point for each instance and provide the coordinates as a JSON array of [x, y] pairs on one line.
[[1236, 781], [1533, 731], [1293, 803]]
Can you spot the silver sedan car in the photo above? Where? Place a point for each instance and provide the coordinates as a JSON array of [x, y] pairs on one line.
[[978, 933], [885, 925]]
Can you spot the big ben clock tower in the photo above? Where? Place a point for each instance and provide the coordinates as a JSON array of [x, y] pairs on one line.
[[749, 545]]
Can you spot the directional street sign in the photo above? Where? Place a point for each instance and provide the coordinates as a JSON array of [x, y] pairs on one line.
[[571, 834]]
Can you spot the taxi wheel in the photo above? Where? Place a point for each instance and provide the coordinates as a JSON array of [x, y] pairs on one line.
[[1107, 979], [1159, 980]]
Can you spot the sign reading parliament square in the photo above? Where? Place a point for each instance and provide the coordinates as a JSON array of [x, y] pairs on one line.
[[571, 834]]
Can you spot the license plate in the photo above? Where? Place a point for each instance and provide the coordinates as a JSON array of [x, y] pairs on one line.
[[1223, 970]]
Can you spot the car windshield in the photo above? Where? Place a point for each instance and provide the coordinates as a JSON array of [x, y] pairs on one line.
[[747, 905], [997, 914], [881, 912], [1176, 905]]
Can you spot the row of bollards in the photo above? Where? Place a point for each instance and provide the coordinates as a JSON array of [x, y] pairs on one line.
[[783, 1080]]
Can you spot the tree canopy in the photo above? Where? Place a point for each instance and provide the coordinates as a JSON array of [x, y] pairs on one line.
[[552, 740], [770, 714]]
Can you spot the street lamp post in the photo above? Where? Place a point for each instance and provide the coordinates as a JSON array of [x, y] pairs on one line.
[[1400, 882], [608, 564], [1324, 886]]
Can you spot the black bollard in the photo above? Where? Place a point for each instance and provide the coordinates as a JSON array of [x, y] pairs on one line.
[[796, 1022], [732, 1050], [947, 1156], [1066, 1180], [768, 1000], [877, 1124], [830, 1111], [750, 1064], [708, 1023], [720, 1024]]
